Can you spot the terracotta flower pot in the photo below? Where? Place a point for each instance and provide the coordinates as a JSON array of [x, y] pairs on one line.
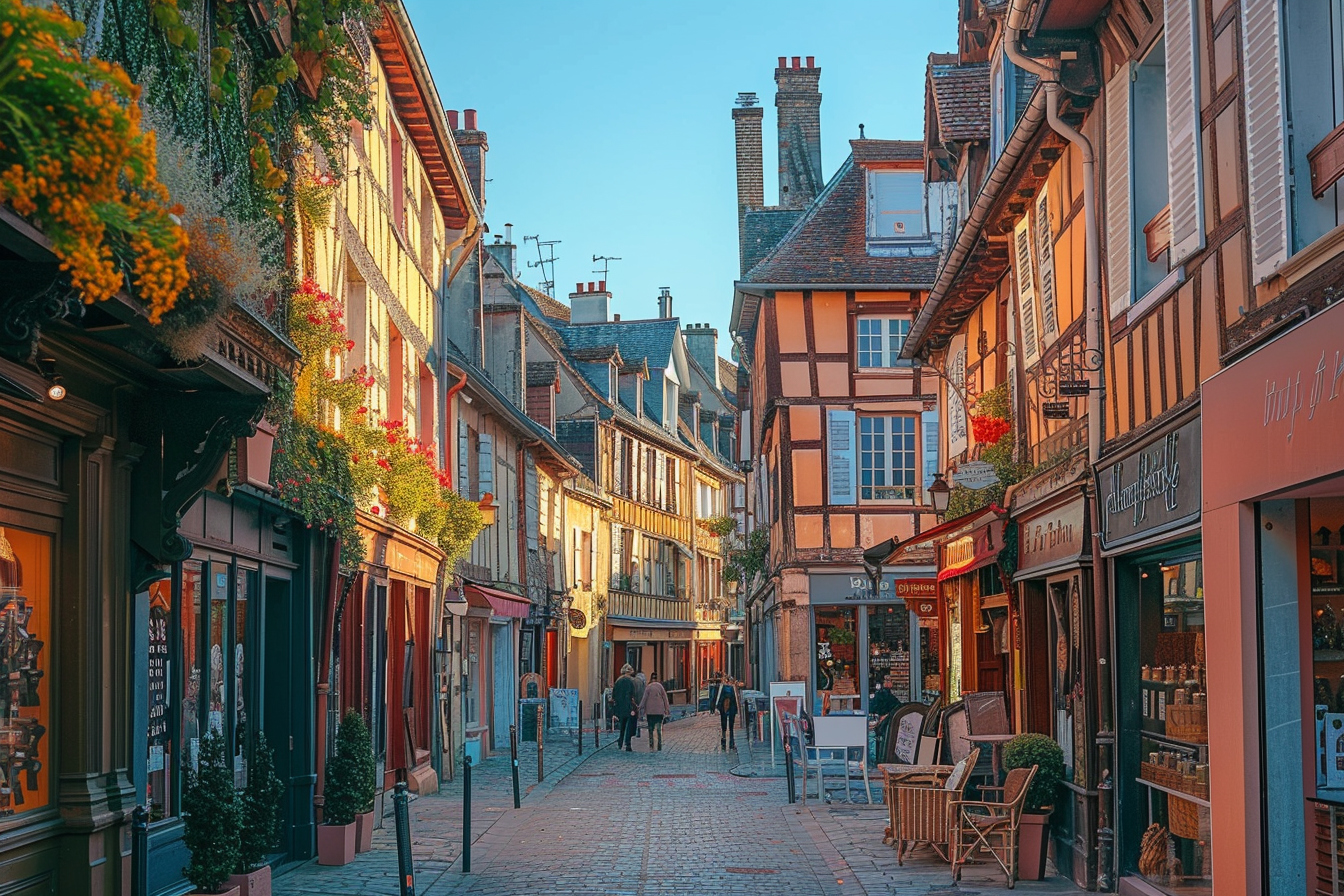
[[335, 844], [364, 831], [1033, 837], [229, 890], [253, 883]]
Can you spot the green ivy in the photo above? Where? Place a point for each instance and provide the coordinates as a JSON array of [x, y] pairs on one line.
[[746, 559]]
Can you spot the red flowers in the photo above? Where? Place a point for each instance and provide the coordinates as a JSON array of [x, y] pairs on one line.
[[987, 430]]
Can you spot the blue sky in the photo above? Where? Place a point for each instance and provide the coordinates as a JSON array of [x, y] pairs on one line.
[[610, 130]]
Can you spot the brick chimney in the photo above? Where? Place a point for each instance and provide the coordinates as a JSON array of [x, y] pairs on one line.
[[588, 303], [471, 143], [664, 302], [702, 343], [747, 117], [798, 102]]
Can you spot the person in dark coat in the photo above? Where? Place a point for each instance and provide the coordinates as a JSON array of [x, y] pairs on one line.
[[640, 684], [627, 706], [725, 702]]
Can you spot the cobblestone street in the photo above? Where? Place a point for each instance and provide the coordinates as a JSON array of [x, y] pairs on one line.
[[640, 824]]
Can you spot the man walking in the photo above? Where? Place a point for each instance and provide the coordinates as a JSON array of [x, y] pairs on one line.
[[724, 700], [655, 706], [626, 706]]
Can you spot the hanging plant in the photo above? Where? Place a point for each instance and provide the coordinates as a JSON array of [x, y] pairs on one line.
[[722, 526], [987, 429]]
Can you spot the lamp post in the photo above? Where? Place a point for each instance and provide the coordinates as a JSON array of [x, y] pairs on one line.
[[939, 493]]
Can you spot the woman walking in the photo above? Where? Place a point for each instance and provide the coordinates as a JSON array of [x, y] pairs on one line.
[[725, 701], [655, 707]]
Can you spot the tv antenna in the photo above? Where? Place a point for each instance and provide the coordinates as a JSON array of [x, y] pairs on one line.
[[546, 261], [606, 264]]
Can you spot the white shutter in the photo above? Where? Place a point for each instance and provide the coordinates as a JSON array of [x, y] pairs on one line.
[[463, 455], [660, 473], [957, 436], [1185, 175], [1026, 292], [1045, 269], [1261, 53], [928, 424], [843, 459], [486, 473], [1119, 229]]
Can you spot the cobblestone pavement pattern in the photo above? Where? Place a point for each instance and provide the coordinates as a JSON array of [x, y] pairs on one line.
[[616, 823]]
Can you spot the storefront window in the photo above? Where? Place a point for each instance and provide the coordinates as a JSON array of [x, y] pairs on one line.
[[217, 633], [837, 659], [159, 788], [25, 698], [192, 595], [1175, 851], [888, 657], [929, 662], [242, 674], [1327, 643]]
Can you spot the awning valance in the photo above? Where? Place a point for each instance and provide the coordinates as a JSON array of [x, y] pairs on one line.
[[500, 603], [967, 553]]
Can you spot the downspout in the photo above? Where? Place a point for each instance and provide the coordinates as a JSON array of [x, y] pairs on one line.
[[1048, 72]]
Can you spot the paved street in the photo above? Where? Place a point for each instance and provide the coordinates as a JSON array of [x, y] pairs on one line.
[[639, 824]]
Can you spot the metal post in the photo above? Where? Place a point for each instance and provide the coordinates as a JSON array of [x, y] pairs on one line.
[[513, 752], [466, 815], [140, 851], [406, 870], [788, 770], [597, 725], [541, 746], [580, 727]]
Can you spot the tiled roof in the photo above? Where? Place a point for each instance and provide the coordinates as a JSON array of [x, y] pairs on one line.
[[961, 98], [886, 150], [828, 244], [553, 310], [728, 380], [762, 229], [542, 373], [649, 339], [606, 352]]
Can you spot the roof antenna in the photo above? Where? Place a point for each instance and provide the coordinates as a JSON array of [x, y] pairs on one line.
[[545, 262], [606, 264], [860, 130]]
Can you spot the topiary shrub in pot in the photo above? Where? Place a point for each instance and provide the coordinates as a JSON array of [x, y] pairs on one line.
[[260, 804], [1039, 750], [354, 735], [343, 797], [211, 817]]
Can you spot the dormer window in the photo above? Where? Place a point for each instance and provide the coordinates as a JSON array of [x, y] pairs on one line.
[[896, 206]]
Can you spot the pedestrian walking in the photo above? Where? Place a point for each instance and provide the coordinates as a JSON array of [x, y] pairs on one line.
[[655, 706], [640, 684], [725, 701], [627, 706]]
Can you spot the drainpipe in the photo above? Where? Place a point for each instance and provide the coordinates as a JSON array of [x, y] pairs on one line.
[[1048, 72]]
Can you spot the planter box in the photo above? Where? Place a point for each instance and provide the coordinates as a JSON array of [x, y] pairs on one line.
[[1033, 836], [335, 844], [364, 832], [254, 883]]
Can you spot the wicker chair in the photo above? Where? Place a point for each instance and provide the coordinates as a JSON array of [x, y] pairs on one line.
[[920, 805], [992, 826]]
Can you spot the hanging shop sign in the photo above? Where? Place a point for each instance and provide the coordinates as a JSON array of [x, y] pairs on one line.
[[1152, 490], [577, 618], [857, 588], [972, 551], [976, 474], [1052, 539], [920, 595]]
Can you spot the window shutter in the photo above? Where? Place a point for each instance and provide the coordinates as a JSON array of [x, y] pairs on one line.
[[928, 424], [1185, 175], [1045, 269], [660, 470], [486, 474], [1026, 292], [843, 460], [530, 498], [463, 456], [1119, 230], [1261, 52], [617, 552]]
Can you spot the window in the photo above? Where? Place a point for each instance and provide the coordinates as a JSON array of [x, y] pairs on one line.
[[1314, 35], [1005, 77], [896, 205], [880, 340], [25, 664], [887, 458]]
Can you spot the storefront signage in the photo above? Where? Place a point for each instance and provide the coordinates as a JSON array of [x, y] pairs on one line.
[[920, 595], [1052, 538], [577, 618], [957, 436], [651, 634], [841, 588], [972, 551], [1053, 480], [976, 474], [1153, 490]]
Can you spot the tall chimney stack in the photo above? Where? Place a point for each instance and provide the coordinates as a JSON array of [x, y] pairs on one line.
[[472, 144], [798, 102], [664, 302], [747, 118]]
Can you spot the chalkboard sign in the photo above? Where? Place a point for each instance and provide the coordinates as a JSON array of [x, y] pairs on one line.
[[565, 708], [907, 737]]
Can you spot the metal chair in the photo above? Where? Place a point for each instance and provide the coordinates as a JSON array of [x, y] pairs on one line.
[[991, 826], [920, 804], [833, 735]]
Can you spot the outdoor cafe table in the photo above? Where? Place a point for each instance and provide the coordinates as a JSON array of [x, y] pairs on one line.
[[996, 742], [894, 774]]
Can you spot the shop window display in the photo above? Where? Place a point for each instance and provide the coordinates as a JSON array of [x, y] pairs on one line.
[[888, 657], [837, 659], [160, 793], [25, 689], [1175, 848], [1327, 643]]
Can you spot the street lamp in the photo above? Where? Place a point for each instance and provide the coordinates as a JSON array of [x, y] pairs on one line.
[[939, 493]]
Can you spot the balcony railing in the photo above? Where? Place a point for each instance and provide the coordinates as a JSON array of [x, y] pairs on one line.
[[648, 606]]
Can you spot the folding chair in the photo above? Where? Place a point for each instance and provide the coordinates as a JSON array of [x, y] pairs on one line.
[[991, 826], [839, 734]]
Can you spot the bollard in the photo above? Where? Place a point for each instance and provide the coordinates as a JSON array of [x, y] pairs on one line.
[[466, 815], [541, 746], [580, 727], [140, 851], [406, 870], [597, 724], [788, 767], [513, 752]]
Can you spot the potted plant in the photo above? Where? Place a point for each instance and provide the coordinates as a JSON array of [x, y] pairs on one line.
[[211, 817], [1039, 750], [360, 745], [260, 805], [342, 798]]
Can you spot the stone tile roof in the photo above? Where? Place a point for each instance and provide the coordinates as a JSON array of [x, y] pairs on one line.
[[762, 229], [828, 244], [961, 99], [636, 339], [886, 150], [553, 310], [728, 380], [542, 373]]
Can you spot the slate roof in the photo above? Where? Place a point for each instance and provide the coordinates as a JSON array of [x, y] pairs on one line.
[[886, 151], [553, 310], [961, 99], [728, 380], [828, 244], [649, 339], [542, 373], [762, 229]]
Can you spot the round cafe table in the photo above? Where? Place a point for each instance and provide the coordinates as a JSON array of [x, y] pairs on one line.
[[996, 742]]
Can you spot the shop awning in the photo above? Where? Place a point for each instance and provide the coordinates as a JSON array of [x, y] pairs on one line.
[[500, 603], [972, 550], [896, 551]]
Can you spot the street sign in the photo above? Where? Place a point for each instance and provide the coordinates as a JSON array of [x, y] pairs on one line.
[[1073, 388], [1056, 410], [976, 474]]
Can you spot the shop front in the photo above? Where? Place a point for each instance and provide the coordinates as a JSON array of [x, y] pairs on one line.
[[1273, 516], [662, 650], [976, 641], [867, 653], [494, 629], [1150, 517], [1054, 683]]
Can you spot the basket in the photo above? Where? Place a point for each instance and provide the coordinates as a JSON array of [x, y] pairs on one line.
[[1189, 723], [1183, 818]]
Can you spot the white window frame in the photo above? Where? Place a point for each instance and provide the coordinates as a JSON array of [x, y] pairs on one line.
[[877, 233], [893, 330], [877, 445]]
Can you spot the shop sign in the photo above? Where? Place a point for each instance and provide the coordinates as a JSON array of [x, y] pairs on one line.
[[958, 438], [920, 595], [158, 675], [651, 634], [1152, 490], [972, 551], [848, 588], [1053, 537], [577, 618], [1053, 480], [976, 474]]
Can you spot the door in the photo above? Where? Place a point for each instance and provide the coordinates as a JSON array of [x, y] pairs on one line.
[[505, 700], [281, 672]]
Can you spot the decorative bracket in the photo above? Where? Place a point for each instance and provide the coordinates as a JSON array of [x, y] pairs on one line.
[[37, 293]]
